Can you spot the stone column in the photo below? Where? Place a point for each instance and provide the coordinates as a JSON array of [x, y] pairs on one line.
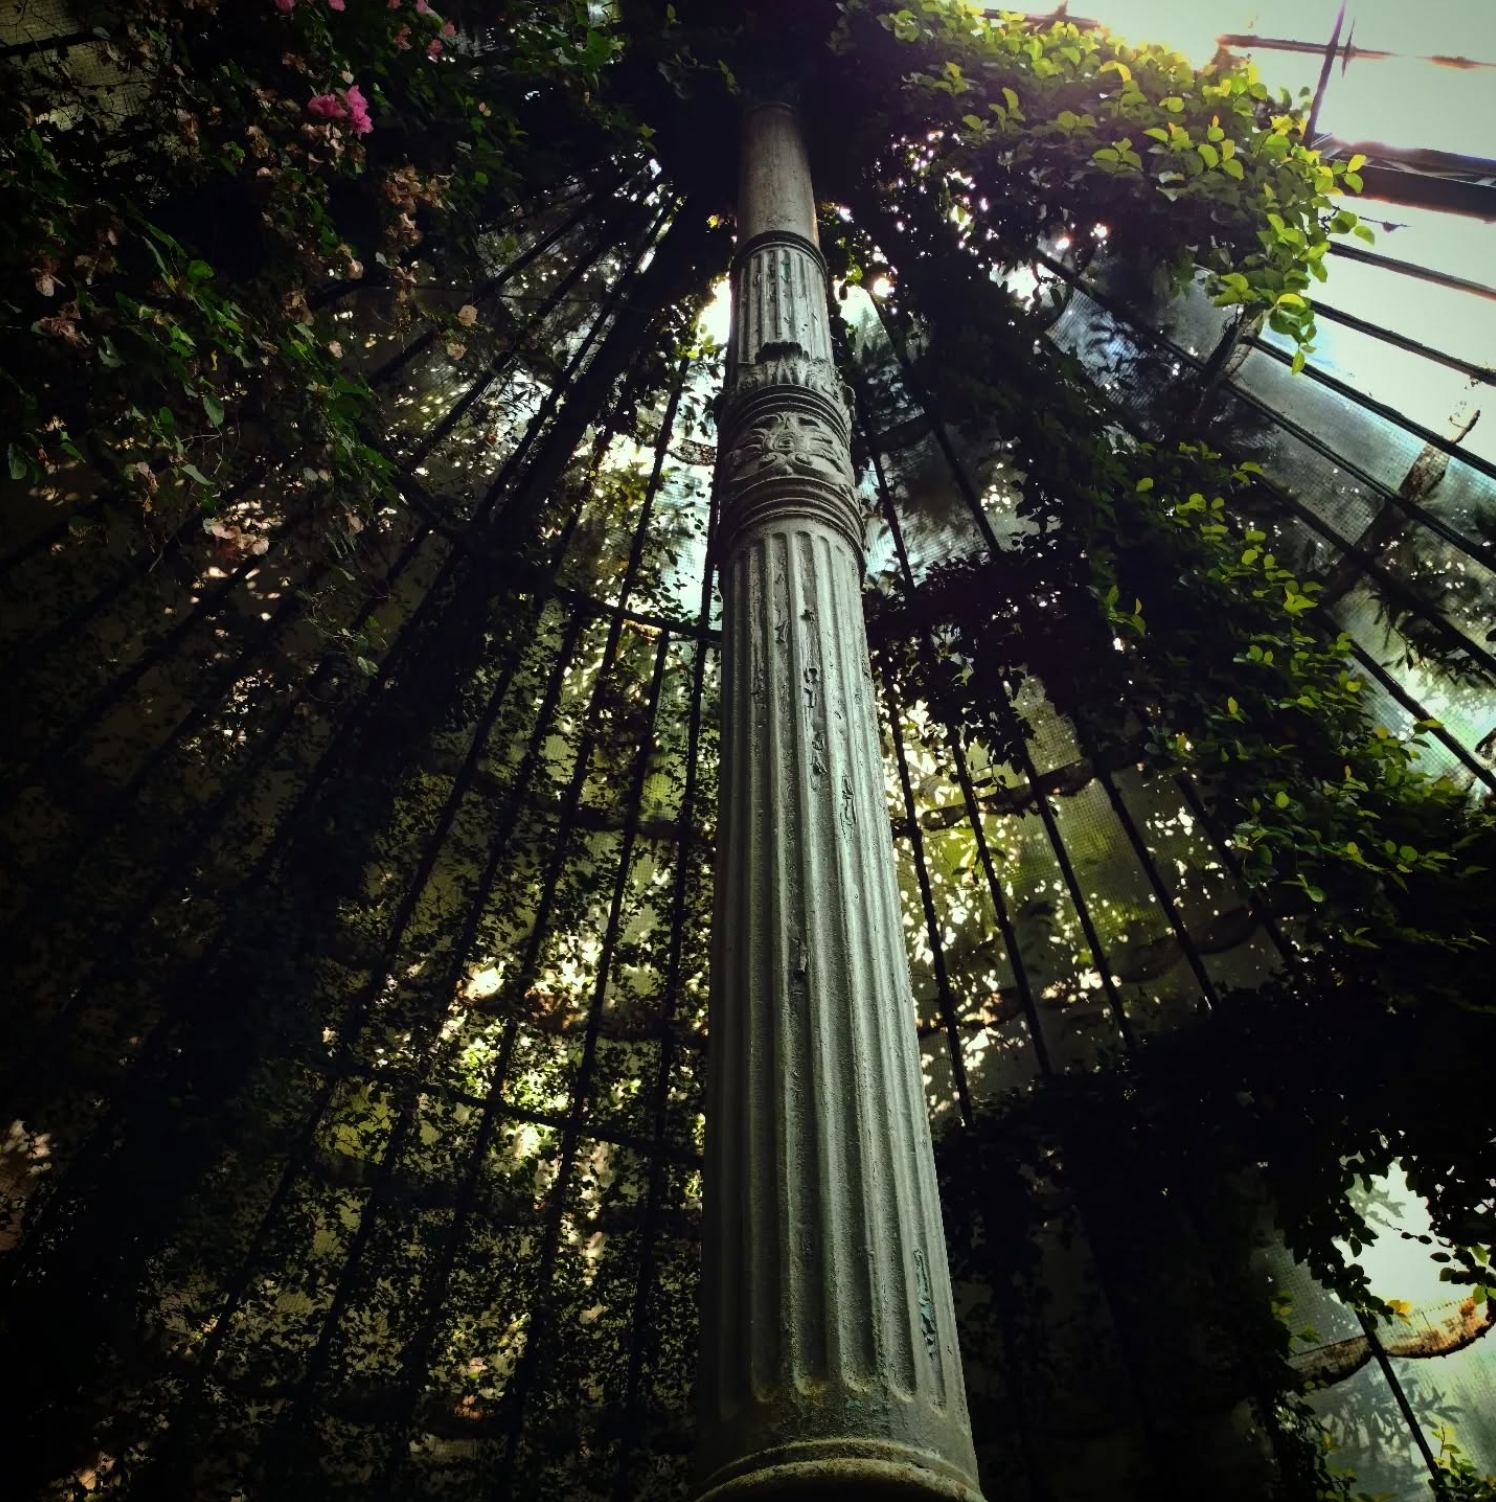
[[829, 1366]]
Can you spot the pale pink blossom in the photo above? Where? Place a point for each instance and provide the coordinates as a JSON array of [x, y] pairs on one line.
[[285, 5], [449, 30], [456, 351], [402, 39], [434, 50], [422, 8], [337, 4], [467, 315]]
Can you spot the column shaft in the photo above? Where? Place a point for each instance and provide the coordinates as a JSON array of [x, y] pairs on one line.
[[829, 1361]]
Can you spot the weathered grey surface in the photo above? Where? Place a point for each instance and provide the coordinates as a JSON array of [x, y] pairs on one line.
[[829, 1364]]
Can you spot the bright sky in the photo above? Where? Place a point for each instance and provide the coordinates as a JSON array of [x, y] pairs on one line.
[[1390, 100]]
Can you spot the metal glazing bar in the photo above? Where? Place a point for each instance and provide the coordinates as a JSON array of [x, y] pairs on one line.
[[1161, 890], [1407, 268], [405, 646], [1451, 743], [660, 1095], [362, 1008], [1381, 409], [542, 1317], [1009, 714], [958, 753], [948, 1019], [1480, 552], [539, 930], [1482, 373]]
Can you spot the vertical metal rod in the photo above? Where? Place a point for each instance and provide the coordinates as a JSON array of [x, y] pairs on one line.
[[362, 1008], [538, 1332], [635, 1423], [948, 1018], [406, 646], [1161, 890], [210, 599], [433, 1294], [1021, 980], [409, 634]]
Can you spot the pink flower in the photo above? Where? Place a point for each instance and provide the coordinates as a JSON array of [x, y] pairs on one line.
[[402, 39], [394, 4], [449, 30], [434, 49], [337, 4], [326, 107], [284, 5], [422, 8], [358, 110]]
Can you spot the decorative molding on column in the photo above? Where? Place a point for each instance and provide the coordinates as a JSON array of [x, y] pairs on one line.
[[785, 454], [829, 1366]]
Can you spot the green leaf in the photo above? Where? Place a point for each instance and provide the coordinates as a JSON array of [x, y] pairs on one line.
[[198, 475], [1353, 181], [1233, 168], [1011, 97], [16, 461], [1208, 154], [1356, 163], [1299, 361], [214, 408], [1158, 133], [1282, 800], [972, 122], [1174, 104], [1146, 483]]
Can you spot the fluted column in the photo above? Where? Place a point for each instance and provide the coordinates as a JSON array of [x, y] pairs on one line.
[[829, 1365]]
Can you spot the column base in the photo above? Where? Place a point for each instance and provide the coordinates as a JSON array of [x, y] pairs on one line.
[[839, 1471]]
